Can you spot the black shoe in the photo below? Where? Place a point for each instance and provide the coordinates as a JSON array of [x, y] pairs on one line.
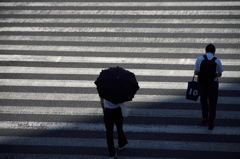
[[204, 122], [210, 125], [113, 157], [121, 148]]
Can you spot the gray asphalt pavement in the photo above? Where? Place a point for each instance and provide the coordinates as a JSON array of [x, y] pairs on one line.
[[52, 52]]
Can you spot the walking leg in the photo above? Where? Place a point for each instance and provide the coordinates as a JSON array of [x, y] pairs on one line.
[[109, 124], [122, 140], [204, 100], [213, 97]]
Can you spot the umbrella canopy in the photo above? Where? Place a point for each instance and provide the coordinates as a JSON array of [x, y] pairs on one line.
[[117, 85]]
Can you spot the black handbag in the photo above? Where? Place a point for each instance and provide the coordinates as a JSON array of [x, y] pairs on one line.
[[193, 90]]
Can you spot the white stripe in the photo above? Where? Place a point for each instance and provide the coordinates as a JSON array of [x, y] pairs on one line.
[[100, 49], [122, 4], [106, 60], [173, 129], [136, 144], [183, 85], [118, 60], [181, 99], [121, 12], [96, 71], [98, 111], [120, 39], [122, 30], [135, 21], [95, 97], [90, 84]]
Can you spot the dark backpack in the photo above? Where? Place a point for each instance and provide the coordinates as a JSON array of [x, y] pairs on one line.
[[207, 71]]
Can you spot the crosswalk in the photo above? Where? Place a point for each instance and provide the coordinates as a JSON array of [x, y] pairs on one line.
[[52, 52]]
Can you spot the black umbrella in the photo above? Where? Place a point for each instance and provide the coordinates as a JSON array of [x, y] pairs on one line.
[[117, 85]]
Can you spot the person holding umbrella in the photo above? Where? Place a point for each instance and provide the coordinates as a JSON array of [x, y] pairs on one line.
[[115, 86]]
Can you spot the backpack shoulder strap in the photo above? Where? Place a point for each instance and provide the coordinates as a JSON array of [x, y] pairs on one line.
[[213, 59], [205, 57]]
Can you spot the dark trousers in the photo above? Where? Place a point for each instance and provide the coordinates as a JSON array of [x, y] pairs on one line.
[[208, 99], [111, 117]]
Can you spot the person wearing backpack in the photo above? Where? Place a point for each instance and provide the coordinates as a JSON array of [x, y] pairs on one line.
[[209, 69]]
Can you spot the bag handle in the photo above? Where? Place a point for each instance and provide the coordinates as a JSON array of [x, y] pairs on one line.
[[193, 77]]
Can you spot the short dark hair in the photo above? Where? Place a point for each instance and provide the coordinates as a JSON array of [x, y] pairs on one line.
[[210, 48]]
